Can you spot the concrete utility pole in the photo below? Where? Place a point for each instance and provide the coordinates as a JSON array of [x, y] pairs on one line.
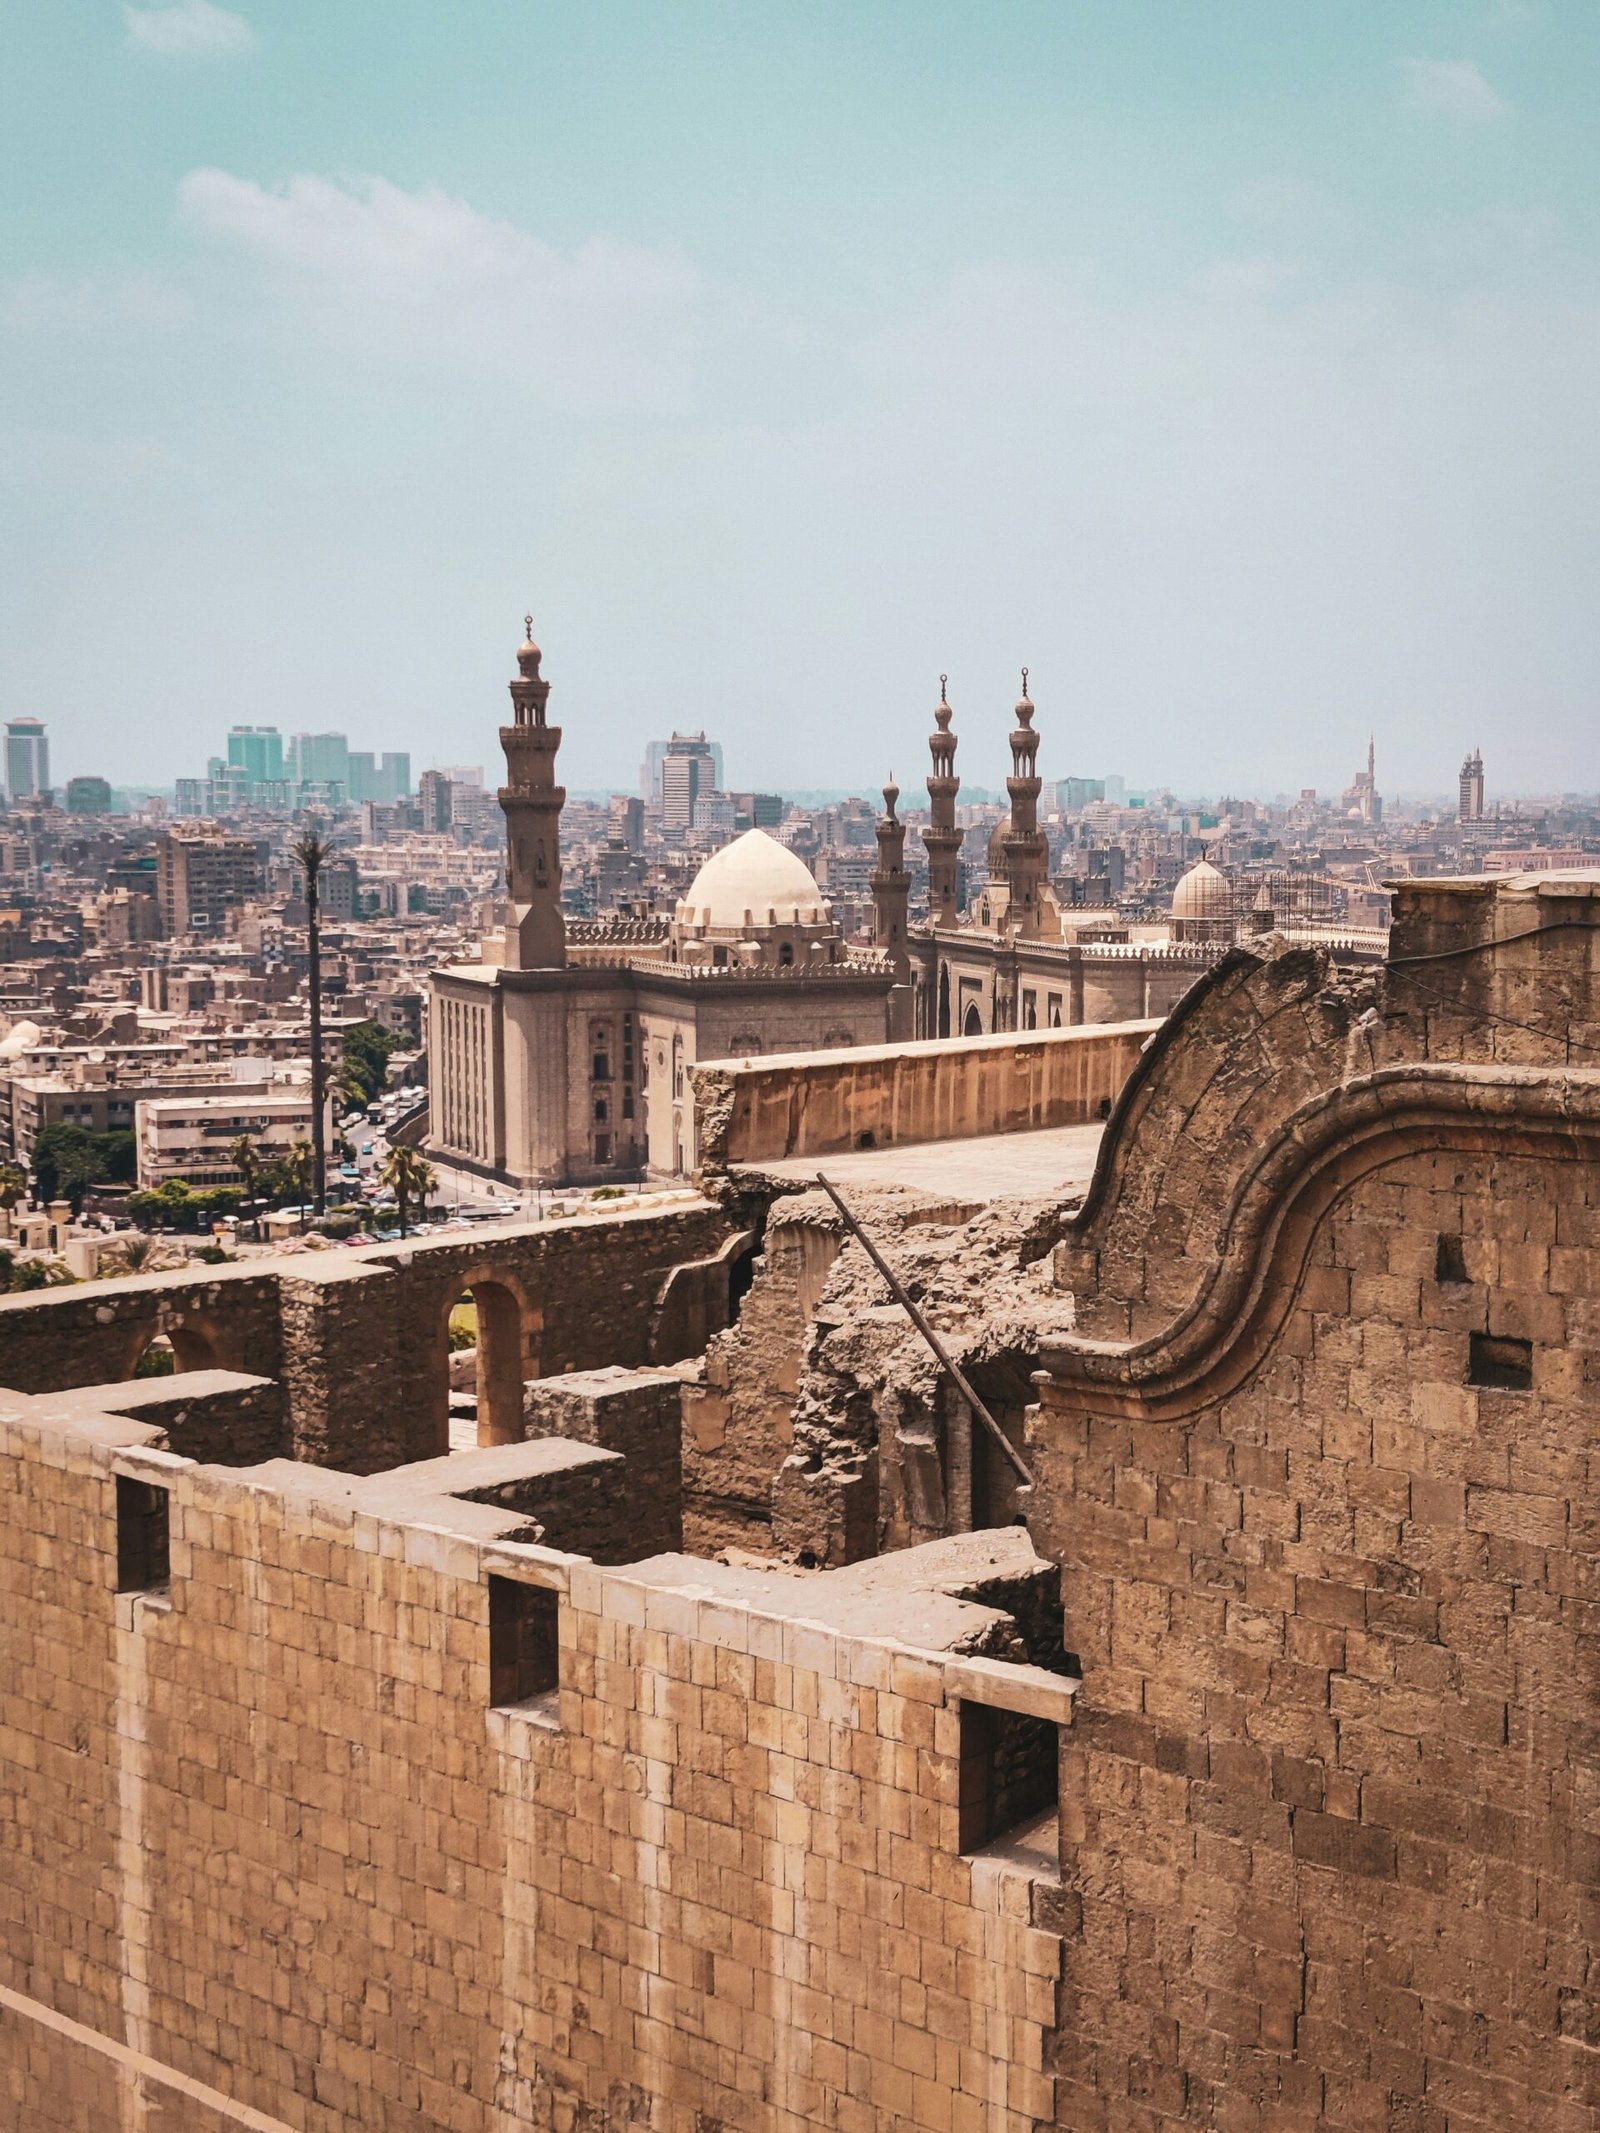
[[311, 850]]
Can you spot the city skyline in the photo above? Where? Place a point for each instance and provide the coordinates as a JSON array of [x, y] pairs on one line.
[[1232, 373]]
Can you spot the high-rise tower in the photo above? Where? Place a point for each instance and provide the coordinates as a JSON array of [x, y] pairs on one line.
[[891, 887], [535, 933], [941, 837], [1027, 849], [1469, 806]]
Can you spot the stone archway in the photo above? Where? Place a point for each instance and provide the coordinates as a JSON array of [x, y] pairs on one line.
[[972, 1021], [192, 1347], [503, 1359]]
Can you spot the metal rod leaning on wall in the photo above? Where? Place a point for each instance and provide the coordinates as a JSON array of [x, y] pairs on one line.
[[897, 1290]]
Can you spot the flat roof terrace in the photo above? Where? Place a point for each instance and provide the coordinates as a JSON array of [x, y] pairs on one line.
[[1051, 1163]]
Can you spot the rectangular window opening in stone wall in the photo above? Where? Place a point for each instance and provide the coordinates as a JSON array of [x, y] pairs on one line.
[[144, 1556], [524, 1643], [1505, 1364], [1010, 1778], [1450, 1261]]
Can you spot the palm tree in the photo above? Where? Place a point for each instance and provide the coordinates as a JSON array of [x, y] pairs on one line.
[[141, 1254], [248, 1165], [409, 1178], [311, 849], [13, 1187], [297, 1166]]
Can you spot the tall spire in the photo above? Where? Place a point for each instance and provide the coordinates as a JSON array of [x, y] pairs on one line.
[[891, 887], [941, 838], [1027, 849], [531, 800]]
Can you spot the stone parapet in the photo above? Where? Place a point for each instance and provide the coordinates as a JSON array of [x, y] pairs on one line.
[[875, 1096]]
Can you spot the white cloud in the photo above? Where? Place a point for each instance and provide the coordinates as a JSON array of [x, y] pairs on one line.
[[1454, 86], [1248, 280], [477, 294], [187, 26]]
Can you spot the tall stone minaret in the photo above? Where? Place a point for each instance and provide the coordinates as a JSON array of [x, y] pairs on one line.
[[941, 837], [535, 933], [891, 887], [1027, 848]]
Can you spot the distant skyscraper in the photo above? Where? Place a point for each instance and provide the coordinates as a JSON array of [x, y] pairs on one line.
[[687, 770], [655, 756], [394, 776], [1470, 804], [27, 758], [88, 796], [322, 759], [258, 752], [433, 791]]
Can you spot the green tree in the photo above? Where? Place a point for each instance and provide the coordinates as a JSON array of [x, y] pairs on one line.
[[67, 1160], [410, 1179], [248, 1164], [366, 1060], [13, 1189], [295, 1173]]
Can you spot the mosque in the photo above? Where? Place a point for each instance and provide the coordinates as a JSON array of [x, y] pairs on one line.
[[561, 1057]]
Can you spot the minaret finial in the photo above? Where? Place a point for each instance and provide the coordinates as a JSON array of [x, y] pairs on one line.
[[1024, 681], [527, 624], [944, 683]]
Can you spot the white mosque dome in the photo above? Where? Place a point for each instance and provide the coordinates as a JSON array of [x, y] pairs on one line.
[[752, 883], [1202, 894], [20, 1038]]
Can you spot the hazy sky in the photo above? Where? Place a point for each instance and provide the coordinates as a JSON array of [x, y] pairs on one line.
[[1234, 363]]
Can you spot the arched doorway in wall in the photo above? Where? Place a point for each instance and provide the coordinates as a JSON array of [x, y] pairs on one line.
[[487, 1318], [163, 1351], [972, 1021], [944, 1000]]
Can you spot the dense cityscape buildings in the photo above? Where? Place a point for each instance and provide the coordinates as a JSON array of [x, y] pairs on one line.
[[666, 928]]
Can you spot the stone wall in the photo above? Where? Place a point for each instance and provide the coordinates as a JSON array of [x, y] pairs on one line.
[[637, 1414], [822, 1103], [266, 1834], [1323, 1493], [359, 1339]]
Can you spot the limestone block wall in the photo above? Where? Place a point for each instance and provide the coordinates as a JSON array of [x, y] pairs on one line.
[[222, 1318], [1336, 1747], [359, 1339], [222, 1417], [637, 1414], [266, 1835], [822, 1103]]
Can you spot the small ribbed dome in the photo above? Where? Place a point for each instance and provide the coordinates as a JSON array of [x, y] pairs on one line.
[[753, 882], [1202, 894]]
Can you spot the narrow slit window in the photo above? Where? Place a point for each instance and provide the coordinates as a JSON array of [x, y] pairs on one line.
[[1503, 1363], [1450, 1260], [524, 1641], [144, 1553], [1010, 1772]]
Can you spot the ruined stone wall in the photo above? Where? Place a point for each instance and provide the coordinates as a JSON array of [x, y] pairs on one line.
[[1323, 1489], [638, 1415], [359, 1339], [219, 1318], [821, 1103], [267, 1833], [1334, 1777], [738, 1407]]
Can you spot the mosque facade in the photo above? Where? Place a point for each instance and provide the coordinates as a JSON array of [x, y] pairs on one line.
[[1017, 958], [562, 1057]]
